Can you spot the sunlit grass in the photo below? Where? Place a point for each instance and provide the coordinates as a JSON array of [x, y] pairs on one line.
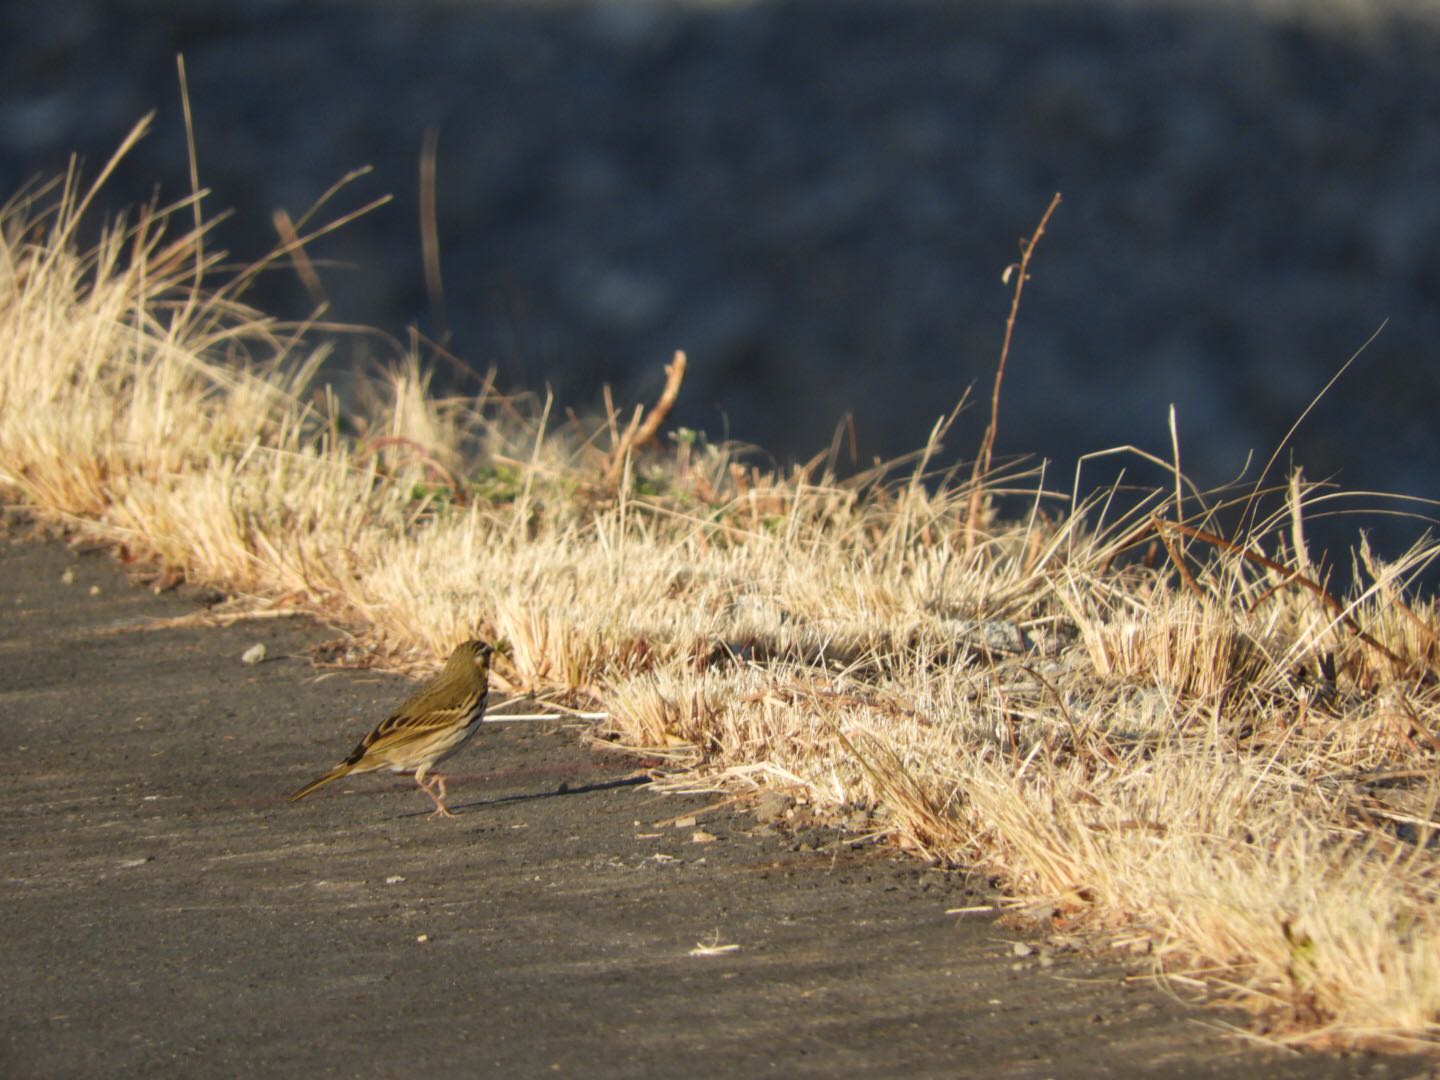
[[1226, 759]]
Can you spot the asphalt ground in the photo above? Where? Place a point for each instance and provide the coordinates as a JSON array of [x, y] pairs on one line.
[[167, 912]]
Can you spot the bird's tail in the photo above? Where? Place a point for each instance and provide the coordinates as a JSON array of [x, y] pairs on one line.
[[334, 774]]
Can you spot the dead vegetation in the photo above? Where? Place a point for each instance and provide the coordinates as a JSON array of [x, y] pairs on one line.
[[1147, 727]]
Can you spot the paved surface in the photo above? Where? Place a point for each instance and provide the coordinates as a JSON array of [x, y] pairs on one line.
[[169, 913]]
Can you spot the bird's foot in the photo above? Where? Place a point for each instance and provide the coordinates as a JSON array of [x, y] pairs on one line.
[[435, 788]]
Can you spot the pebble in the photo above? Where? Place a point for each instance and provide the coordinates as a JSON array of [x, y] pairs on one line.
[[770, 806]]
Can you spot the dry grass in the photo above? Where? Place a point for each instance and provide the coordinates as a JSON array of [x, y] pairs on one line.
[[1200, 750]]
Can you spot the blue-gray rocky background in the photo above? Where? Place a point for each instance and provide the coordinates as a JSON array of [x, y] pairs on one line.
[[816, 199]]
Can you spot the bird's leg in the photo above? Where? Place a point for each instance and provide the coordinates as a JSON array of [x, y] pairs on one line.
[[441, 810], [438, 781]]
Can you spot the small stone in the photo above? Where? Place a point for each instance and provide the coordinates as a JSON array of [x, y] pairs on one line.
[[700, 836], [771, 806], [68, 577], [94, 590], [254, 654], [1019, 948], [394, 879]]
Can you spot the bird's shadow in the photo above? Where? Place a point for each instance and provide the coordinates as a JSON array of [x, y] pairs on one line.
[[563, 790]]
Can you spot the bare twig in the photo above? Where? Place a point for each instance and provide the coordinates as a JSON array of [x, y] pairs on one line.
[[1176, 557], [639, 432], [674, 376], [299, 257], [1020, 271], [421, 453], [1291, 577], [430, 233]]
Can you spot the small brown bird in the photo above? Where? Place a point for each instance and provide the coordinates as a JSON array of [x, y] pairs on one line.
[[433, 723]]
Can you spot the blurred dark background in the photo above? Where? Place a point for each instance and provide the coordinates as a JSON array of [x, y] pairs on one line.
[[816, 199]]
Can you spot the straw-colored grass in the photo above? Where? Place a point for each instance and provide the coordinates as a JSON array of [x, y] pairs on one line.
[[1143, 728]]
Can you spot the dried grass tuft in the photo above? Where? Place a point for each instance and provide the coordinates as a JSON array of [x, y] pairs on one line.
[[1206, 748]]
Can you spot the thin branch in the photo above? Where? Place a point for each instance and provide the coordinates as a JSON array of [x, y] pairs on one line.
[[430, 233], [638, 433], [1020, 271], [1292, 577]]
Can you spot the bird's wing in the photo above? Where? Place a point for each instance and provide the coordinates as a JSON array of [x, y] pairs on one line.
[[403, 727]]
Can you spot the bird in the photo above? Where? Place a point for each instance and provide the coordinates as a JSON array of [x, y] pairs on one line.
[[433, 723]]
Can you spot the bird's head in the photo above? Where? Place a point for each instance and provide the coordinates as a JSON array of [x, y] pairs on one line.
[[470, 659]]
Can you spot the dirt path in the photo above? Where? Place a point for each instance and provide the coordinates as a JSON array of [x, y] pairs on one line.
[[168, 913]]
